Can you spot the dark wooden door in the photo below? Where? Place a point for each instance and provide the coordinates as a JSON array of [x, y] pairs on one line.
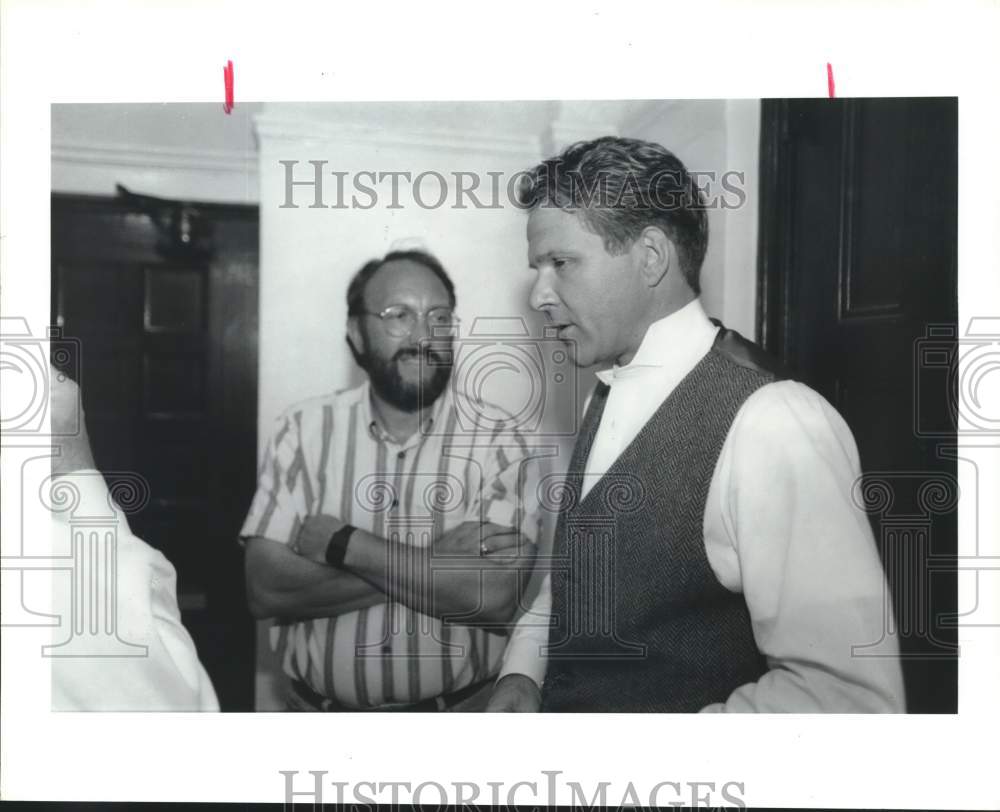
[[857, 276], [167, 324]]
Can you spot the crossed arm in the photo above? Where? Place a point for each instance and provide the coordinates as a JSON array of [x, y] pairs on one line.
[[450, 578], [281, 583]]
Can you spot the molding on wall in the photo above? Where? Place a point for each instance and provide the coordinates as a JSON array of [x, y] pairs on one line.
[[153, 157], [277, 128]]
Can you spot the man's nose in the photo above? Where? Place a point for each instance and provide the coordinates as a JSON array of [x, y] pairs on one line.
[[542, 295], [419, 329], [421, 334]]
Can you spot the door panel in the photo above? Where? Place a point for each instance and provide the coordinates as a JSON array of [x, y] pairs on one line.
[[169, 374], [857, 264]]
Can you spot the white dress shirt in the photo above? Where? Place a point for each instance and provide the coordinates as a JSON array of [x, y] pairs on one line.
[[780, 527], [168, 676]]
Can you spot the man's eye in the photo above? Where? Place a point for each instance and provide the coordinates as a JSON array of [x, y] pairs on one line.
[[440, 319], [560, 263]]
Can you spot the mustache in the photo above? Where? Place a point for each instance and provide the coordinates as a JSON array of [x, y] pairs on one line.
[[427, 353]]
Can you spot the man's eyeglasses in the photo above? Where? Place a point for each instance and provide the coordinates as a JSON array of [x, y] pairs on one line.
[[399, 320]]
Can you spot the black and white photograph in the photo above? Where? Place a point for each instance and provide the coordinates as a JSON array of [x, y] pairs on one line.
[[651, 413]]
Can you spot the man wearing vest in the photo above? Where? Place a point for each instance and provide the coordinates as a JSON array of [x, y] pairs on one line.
[[708, 555]]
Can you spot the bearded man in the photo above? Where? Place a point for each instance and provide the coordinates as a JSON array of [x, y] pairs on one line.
[[390, 540]]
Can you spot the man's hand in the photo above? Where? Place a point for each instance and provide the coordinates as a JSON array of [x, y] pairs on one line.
[[67, 414], [515, 693], [475, 539], [314, 537]]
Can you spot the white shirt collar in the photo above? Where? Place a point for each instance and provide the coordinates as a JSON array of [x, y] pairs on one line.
[[669, 342]]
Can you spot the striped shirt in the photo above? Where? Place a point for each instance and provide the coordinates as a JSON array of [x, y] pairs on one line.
[[328, 455]]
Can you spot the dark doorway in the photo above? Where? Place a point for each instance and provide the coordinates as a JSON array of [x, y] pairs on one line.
[[857, 280], [163, 299]]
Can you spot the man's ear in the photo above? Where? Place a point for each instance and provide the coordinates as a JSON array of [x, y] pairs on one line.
[[657, 255], [354, 338]]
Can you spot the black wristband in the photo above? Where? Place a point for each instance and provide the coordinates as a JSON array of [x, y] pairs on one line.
[[336, 549]]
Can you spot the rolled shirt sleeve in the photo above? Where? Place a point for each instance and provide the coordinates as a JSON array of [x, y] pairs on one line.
[[278, 507]]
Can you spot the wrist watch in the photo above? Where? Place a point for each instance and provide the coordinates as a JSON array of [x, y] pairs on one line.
[[336, 548]]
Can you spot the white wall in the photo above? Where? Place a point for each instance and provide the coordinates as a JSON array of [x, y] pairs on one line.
[[739, 270]]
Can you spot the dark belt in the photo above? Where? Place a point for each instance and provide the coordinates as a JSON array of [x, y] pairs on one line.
[[432, 705]]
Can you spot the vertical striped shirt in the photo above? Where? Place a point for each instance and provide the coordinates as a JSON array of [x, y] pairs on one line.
[[328, 455]]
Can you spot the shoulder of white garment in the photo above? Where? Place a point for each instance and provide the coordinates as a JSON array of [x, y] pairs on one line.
[[145, 584], [793, 415], [91, 498], [138, 562], [782, 424]]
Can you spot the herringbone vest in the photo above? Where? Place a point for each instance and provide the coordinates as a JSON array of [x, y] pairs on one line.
[[642, 622]]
